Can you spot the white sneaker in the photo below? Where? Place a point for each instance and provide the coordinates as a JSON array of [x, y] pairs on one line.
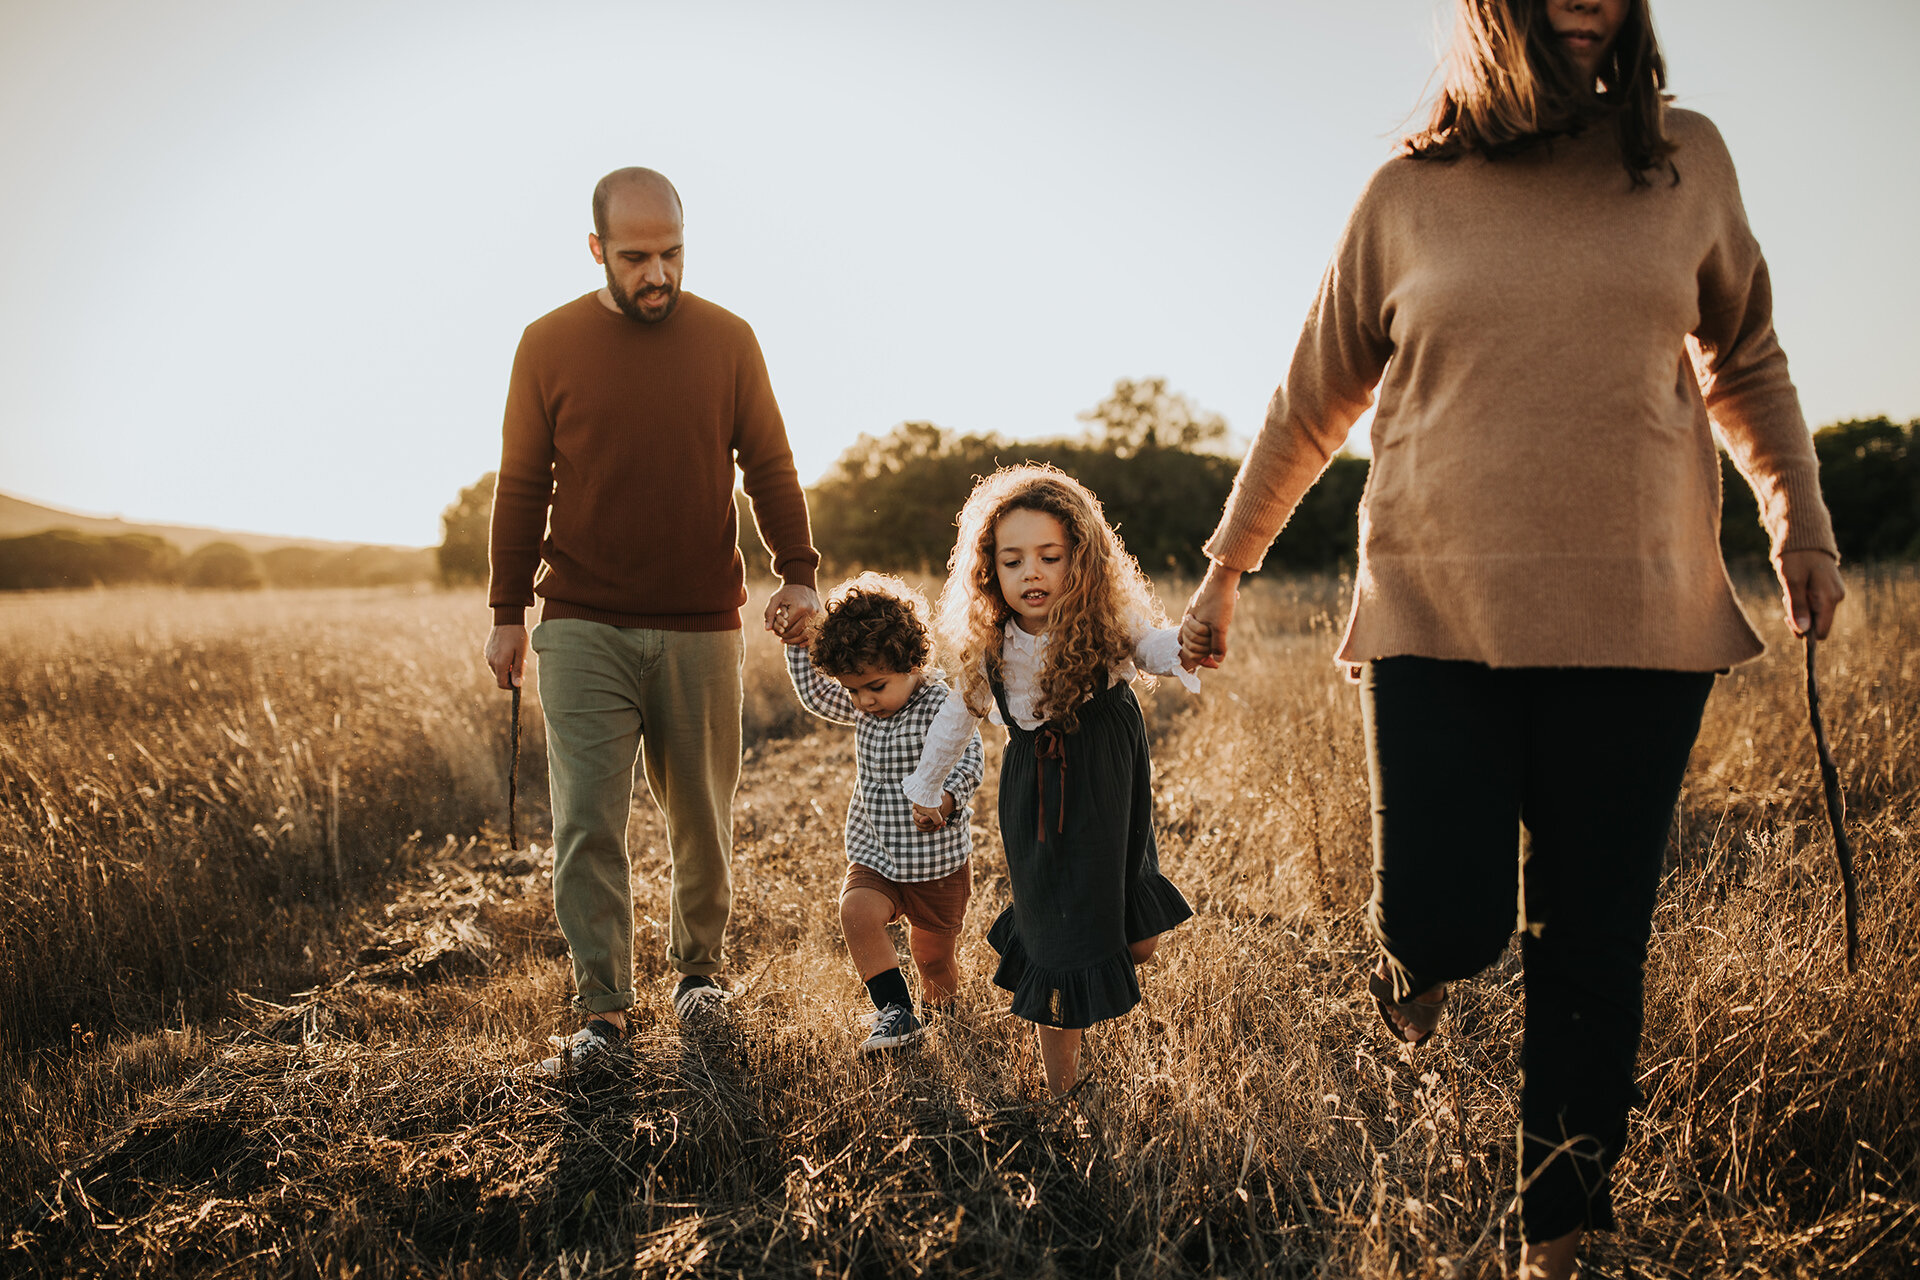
[[696, 996], [598, 1043]]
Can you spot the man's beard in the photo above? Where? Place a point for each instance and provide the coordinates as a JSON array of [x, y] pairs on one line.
[[630, 304]]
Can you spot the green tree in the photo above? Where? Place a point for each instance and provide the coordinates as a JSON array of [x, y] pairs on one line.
[[463, 533], [1141, 415], [1158, 464], [297, 567], [223, 565], [1870, 476], [55, 558], [890, 501], [67, 558], [141, 557]]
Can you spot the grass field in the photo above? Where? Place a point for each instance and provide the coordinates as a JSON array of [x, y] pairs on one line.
[[270, 973]]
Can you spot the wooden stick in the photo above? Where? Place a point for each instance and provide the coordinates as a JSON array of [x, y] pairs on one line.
[[1836, 814], [513, 777]]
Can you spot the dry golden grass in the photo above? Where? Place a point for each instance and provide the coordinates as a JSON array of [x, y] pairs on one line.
[[191, 784], [364, 1106]]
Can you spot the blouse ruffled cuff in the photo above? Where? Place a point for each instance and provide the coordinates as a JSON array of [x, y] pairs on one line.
[[923, 788], [1158, 652], [946, 742]]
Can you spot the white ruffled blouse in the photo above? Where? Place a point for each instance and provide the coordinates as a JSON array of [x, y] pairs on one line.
[[1156, 651]]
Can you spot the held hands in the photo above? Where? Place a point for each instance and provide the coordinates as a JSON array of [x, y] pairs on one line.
[[788, 610], [1812, 590], [933, 819], [1196, 642], [1203, 631], [506, 655]]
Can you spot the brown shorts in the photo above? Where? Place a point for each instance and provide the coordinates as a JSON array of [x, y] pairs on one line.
[[937, 906]]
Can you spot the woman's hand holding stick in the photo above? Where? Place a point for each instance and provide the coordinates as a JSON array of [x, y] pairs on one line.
[[1810, 582]]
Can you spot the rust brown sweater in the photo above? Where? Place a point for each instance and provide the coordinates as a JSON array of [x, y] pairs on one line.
[[628, 435], [1548, 343]]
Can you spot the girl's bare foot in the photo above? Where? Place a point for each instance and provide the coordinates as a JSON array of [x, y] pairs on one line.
[[1550, 1259]]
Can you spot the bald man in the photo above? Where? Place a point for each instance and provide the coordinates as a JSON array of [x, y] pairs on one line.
[[628, 411]]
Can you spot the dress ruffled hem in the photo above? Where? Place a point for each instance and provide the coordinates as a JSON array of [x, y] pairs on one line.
[[1067, 998], [1154, 907]]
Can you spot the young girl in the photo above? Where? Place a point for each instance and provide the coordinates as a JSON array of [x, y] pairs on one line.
[[1050, 621]]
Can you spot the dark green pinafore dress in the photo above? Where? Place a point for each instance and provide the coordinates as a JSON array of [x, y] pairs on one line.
[[1076, 817]]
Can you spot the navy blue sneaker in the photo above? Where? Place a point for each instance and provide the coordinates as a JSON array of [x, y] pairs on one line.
[[895, 1026]]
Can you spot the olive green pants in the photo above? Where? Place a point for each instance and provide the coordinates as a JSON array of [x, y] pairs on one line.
[[672, 700]]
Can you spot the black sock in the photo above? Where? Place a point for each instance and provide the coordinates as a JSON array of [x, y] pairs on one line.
[[889, 988]]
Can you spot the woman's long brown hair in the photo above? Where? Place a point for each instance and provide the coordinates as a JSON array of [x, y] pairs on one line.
[[1510, 87]]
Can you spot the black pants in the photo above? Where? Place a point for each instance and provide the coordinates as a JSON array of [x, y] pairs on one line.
[[1547, 789]]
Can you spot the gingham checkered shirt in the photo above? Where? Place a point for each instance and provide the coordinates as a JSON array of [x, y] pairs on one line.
[[880, 830]]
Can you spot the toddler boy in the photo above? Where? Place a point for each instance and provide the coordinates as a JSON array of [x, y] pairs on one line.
[[865, 664]]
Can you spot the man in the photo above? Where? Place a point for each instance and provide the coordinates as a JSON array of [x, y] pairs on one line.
[[626, 413]]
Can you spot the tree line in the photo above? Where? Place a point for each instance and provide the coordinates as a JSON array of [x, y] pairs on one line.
[[889, 502], [1163, 469], [67, 558], [1161, 466]]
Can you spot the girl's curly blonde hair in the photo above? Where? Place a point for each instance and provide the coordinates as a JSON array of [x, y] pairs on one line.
[[1104, 600]]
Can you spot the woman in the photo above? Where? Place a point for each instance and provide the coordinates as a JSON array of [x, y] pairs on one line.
[[1552, 286]]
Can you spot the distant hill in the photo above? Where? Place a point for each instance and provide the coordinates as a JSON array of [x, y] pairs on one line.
[[18, 517], [45, 548]]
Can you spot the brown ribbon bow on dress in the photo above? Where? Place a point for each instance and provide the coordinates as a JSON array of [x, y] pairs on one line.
[[1050, 744]]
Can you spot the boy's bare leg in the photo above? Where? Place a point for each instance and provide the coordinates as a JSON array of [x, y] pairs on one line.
[[863, 920], [935, 955], [1059, 1057], [1550, 1259]]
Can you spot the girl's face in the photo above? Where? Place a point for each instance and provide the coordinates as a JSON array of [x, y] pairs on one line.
[[1030, 554], [1586, 29]]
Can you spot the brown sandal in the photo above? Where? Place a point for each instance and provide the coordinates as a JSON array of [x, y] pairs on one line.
[[1410, 1021]]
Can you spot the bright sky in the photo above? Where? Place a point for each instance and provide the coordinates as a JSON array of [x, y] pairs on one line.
[[266, 263]]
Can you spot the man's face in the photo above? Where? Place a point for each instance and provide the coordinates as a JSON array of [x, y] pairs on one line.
[[642, 253]]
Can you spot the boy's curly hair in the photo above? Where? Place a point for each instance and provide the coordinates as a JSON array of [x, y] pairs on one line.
[[1104, 596], [874, 622]]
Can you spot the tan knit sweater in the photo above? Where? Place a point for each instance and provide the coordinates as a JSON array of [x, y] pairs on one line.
[[1548, 342], [617, 470]]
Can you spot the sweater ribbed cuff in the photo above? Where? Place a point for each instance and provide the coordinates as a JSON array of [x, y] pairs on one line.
[[1236, 548], [1805, 524], [1247, 528], [798, 573], [505, 615]]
